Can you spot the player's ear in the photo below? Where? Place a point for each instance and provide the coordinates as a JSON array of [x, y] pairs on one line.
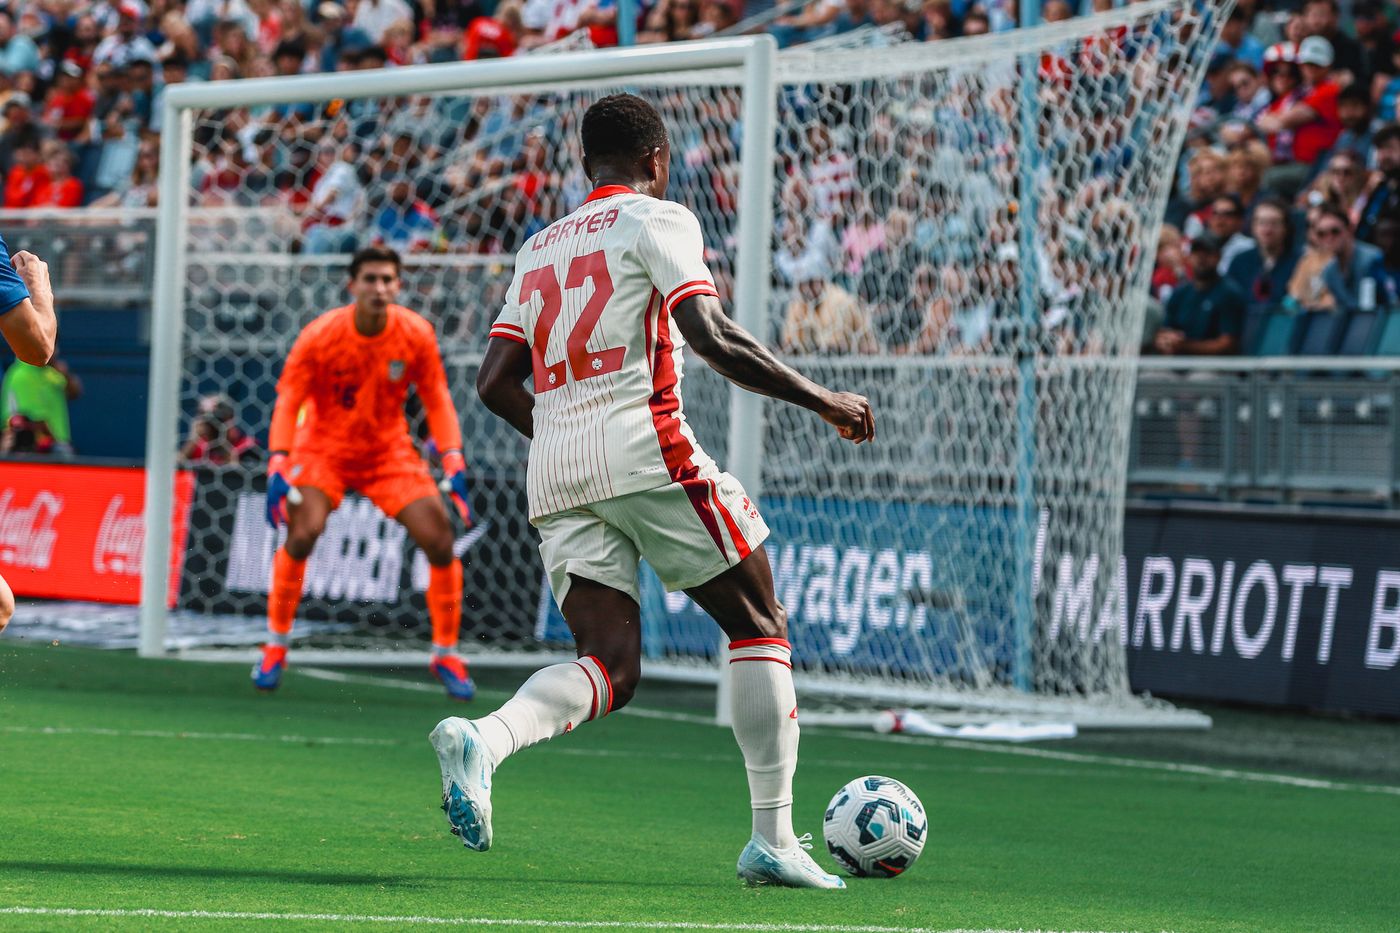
[[652, 163], [588, 170]]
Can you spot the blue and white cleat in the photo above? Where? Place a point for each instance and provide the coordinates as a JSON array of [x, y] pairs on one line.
[[267, 673], [466, 765], [792, 867], [449, 669]]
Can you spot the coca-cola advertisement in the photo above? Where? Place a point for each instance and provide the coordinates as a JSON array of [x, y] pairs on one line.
[[69, 531]]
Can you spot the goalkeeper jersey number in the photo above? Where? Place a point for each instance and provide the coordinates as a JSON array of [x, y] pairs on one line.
[[592, 297]]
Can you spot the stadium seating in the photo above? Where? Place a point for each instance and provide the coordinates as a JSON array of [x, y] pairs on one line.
[[1277, 336], [1318, 333], [1388, 343], [1359, 334]]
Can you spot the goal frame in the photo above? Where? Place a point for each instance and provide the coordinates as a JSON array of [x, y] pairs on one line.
[[753, 56], [750, 64]]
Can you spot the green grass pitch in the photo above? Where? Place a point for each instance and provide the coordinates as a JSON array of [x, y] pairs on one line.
[[129, 785]]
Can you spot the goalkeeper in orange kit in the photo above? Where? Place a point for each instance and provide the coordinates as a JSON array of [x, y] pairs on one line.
[[339, 424]]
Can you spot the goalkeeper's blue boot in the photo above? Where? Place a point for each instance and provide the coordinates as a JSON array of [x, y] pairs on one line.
[[792, 867], [466, 765], [449, 669], [267, 673]]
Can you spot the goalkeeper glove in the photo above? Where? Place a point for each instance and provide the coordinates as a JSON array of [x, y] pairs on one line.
[[278, 489], [454, 468]]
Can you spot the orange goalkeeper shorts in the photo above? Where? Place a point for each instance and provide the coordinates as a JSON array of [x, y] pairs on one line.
[[390, 483]]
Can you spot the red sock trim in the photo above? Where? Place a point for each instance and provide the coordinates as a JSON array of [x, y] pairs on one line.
[[607, 680], [593, 708], [774, 660], [753, 642]]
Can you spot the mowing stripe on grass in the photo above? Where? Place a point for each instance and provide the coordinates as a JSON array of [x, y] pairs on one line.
[[1141, 764], [317, 673], [485, 921], [216, 736], [649, 755]]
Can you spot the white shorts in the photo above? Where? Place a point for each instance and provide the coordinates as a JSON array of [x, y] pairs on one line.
[[690, 532]]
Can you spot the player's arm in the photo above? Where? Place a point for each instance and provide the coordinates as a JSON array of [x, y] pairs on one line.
[[671, 249], [431, 383], [444, 425], [293, 388], [27, 318], [738, 356], [501, 383]]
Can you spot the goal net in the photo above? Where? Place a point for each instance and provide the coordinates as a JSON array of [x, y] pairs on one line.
[[959, 230]]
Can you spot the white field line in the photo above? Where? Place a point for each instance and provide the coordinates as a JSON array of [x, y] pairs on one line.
[[481, 921]]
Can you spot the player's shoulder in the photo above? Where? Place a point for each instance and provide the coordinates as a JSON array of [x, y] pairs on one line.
[[660, 217], [327, 322], [417, 335], [660, 209], [413, 321]]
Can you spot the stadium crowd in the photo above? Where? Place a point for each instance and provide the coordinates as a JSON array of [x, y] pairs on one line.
[[1290, 177]]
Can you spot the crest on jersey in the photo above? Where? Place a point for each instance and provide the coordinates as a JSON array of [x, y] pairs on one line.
[[395, 370]]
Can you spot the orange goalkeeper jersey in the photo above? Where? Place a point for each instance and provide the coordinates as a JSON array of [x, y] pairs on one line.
[[341, 395]]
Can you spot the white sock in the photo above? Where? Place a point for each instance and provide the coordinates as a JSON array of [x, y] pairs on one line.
[[765, 723], [553, 701]]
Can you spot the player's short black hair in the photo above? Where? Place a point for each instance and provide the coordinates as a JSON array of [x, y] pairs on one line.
[[622, 126], [375, 254]]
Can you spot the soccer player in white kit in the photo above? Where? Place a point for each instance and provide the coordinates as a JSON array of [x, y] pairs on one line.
[[601, 304]]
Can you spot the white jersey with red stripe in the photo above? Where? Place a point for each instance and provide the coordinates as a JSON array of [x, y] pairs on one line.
[[592, 297]]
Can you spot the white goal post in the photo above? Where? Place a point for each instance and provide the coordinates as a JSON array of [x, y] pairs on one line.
[[960, 230]]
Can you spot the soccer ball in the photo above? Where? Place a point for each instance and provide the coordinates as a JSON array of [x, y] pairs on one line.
[[875, 827]]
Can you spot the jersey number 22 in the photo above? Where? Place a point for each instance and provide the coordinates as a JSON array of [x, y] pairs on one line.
[[582, 362]]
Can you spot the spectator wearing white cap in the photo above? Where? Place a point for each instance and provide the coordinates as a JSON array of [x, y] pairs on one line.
[[69, 105], [1320, 19]]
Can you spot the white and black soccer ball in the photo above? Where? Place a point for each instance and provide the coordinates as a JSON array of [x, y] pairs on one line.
[[875, 827]]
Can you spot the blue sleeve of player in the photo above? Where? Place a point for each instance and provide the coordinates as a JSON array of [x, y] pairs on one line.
[[12, 287]]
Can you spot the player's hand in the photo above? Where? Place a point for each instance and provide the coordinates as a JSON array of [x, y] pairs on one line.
[[851, 416], [278, 490], [33, 270], [454, 483]]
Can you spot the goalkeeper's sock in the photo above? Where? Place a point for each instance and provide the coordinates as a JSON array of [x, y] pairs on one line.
[[555, 700], [764, 708], [445, 606], [287, 576]]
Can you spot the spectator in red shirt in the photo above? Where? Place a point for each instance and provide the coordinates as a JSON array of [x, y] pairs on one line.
[[69, 105], [62, 189], [26, 177], [1312, 119], [20, 130], [86, 37], [493, 36], [1286, 85]]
